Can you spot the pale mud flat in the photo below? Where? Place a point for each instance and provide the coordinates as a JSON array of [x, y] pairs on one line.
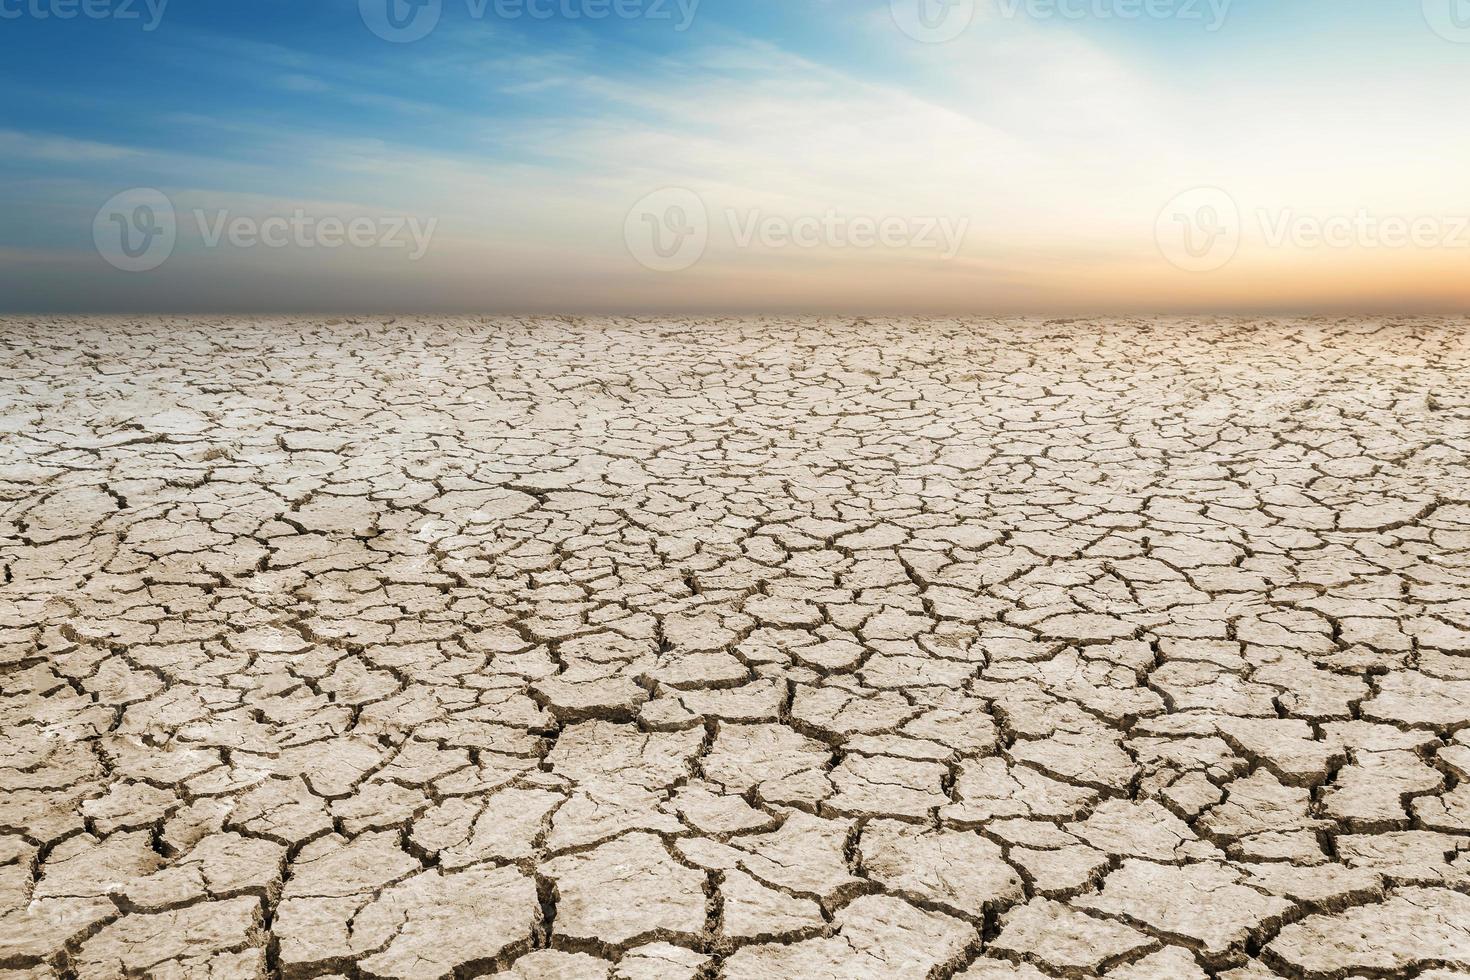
[[750, 648]]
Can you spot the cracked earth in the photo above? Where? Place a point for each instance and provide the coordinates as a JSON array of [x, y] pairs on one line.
[[626, 649]]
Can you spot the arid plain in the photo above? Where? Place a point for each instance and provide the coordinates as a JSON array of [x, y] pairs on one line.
[[754, 648]]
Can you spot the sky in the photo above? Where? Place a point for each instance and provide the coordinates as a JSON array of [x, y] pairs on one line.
[[743, 156]]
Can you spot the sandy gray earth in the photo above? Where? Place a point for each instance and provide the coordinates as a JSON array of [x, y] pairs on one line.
[[752, 649]]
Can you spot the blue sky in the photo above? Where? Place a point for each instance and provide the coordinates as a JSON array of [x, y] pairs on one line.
[[530, 142]]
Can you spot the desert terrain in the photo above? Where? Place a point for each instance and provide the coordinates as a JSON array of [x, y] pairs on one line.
[[741, 648]]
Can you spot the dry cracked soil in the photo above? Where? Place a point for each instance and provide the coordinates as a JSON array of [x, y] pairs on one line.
[[761, 648]]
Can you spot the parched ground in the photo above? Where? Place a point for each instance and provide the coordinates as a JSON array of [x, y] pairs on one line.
[[751, 649]]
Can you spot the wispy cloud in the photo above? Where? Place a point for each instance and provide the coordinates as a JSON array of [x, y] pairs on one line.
[[60, 149]]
